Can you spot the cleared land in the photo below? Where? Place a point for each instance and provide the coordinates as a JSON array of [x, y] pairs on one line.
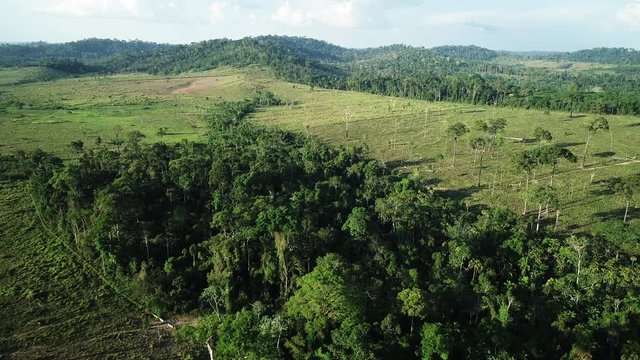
[[406, 134], [52, 307]]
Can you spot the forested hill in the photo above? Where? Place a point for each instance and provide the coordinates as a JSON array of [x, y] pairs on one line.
[[99, 50], [466, 74], [603, 56], [88, 50]]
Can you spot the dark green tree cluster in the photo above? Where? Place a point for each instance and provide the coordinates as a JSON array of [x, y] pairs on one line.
[[288, 248]]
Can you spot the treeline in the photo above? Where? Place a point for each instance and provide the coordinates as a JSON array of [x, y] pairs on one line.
[[288, 248], [476, 89]]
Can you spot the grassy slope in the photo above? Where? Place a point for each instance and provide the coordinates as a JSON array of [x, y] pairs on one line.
[[397, 131], [50, 308], [13, 76], [58, 112]]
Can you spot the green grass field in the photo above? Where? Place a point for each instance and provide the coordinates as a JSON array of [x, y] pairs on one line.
[[49, 115], [406, 134], [52, 308], [410, 135]]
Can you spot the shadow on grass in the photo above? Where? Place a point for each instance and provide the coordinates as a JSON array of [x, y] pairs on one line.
[[604, 154], [180, 133], [569, 144], [469, 111], [462, 193], [395, 164], [575, 116], [617, 214], [634, 125]]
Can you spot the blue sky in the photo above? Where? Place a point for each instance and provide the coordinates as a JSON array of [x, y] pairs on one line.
[[496, 24]]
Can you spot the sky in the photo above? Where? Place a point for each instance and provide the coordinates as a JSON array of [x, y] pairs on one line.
[[518, 25]]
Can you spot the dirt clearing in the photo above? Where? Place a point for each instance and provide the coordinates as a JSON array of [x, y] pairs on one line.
[[194, 85]]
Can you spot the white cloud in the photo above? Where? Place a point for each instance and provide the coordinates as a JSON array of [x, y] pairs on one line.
[[338, 13], [290, 16], [630, 14], [495, 18], [328, 12], [84, 8], [218, 10]]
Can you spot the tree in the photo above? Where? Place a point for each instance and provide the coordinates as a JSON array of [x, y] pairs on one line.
[[455, 132], [162, 132], [627, 187], [492, 128], [526, 161], [541, 134], [593, 126], [573, 96], [550, 154], [479, 145], [544, 196], [77, 145], [435, 342], [413, 304], [326, 298]]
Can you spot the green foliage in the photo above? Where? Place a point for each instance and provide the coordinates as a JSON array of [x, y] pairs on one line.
[[291, 248], [541, 134], [413, 302], [435, 342], [457, 130]]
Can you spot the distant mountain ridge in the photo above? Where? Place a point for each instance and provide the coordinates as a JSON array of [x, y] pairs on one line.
[[95, 50], [445, 73]]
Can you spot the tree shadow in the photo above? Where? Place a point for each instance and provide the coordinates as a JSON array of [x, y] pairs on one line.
[[569, 144], [396, 164], [617, 214], [634, 125], [462, 193], [469, 111], [573, 227], [603, 192], [604, 154], [432, 182], [179, 133]]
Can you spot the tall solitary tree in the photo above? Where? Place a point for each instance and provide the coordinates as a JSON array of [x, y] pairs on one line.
[[455, 132], [479, 146], [627, 187], [573, 96], [551, 154], [544, 196], [593, 126], [526, 161]]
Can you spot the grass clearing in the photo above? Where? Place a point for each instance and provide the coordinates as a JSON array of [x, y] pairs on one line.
[[410, 135], [49, 115]]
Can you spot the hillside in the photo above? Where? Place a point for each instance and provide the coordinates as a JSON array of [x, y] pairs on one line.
[[451, 73]]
